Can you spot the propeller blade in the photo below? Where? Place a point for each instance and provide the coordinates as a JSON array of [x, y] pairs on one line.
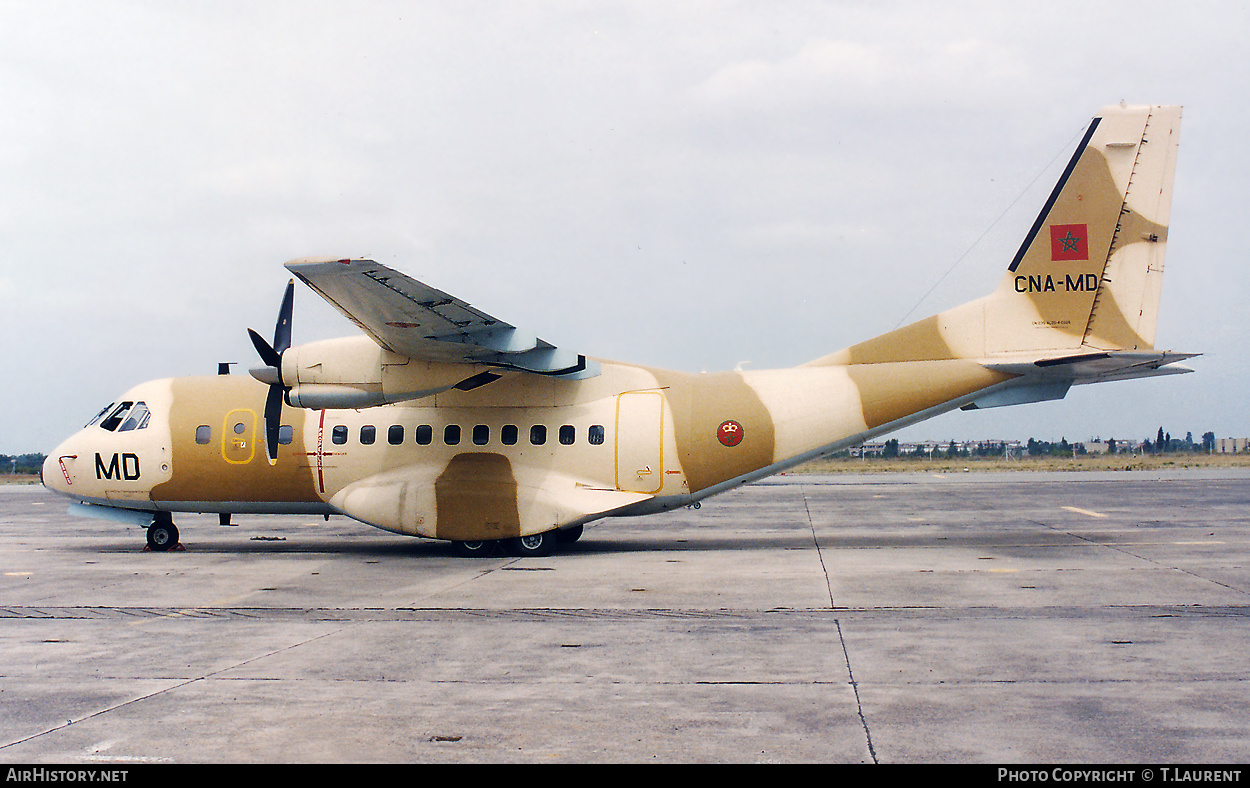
[[268, 355], [271, 373], [273, 421], [282, 331]]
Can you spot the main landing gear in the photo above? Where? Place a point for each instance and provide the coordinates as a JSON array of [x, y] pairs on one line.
[[162, 533], [532, 546]]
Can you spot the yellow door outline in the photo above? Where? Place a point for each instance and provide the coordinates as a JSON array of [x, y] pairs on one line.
[[639, 460], [238, 448]]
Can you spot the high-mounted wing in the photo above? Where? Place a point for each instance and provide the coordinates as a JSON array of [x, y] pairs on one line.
[[415, 320]]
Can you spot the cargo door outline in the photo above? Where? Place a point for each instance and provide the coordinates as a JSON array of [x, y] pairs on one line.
[[640, 441]]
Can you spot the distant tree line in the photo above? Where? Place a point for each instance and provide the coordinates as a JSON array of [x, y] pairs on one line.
[[1162, 443], [1037, 448], [21, 463]]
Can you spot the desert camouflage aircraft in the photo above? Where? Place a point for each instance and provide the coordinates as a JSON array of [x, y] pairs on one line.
[[445, 422]]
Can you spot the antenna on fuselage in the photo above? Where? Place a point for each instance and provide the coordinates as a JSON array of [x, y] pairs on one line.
[[223, 367]]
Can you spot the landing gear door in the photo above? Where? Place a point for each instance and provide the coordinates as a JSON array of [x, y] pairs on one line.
[[640, 441]]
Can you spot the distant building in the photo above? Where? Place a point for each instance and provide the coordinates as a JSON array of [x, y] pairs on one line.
[[1100, 446], [1231, 445]]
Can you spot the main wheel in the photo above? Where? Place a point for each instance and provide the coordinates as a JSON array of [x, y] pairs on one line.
[[474, 548], [162, 534], [533, 546]]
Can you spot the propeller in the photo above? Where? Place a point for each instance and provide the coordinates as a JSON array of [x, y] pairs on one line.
[[272, 372]]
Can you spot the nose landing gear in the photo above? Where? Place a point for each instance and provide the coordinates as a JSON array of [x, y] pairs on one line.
[[163, 534]]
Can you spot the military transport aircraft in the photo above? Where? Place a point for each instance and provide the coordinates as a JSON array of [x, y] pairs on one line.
[[444, 422]]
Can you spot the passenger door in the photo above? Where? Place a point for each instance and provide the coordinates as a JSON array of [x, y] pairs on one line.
[[640, 441]]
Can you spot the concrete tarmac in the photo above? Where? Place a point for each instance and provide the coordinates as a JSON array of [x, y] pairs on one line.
[[959, 618]]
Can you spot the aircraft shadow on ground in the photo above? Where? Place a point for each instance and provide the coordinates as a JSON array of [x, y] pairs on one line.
[[590, 545]]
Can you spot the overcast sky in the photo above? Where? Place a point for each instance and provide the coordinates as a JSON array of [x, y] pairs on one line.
[[683, 185]]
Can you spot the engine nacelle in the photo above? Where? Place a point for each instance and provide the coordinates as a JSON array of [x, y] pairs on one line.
[[355, 372]]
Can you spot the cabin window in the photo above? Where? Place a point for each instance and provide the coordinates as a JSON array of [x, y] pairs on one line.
[[368, 434], [425, 434], [239, 427], [286, 434], [481, 435], [451, 434], [568, 434], [339, 434], [508, 435], [203, 434], [595, 434], [538, 435], [395, 435]]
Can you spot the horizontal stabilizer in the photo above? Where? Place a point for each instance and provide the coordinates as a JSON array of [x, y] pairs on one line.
[[1098, 367], [1050, 378]]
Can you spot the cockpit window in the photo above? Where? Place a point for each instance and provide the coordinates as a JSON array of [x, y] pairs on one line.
[[115, 418], [125, 417], [137, 420], [100, 415]]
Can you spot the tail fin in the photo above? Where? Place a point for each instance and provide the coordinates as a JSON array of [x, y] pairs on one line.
[[1087, 276], [1091, 267]]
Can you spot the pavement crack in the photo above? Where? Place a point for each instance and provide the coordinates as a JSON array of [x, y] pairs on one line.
[[859, 706], [816, 542], [164, 690], [1138, 556]]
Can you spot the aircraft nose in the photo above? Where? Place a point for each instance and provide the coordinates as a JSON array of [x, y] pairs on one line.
[[46, 470], [54, 474]]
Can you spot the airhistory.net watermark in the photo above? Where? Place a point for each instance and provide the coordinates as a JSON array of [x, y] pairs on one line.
[[37, 774]]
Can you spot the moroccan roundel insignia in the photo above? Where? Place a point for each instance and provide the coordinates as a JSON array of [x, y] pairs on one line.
[[729, 433]]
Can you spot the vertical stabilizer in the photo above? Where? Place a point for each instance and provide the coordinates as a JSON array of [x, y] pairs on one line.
[[1089, 271], [1087, 276]]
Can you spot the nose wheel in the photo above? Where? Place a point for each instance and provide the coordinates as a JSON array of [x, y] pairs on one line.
[[162, 534]]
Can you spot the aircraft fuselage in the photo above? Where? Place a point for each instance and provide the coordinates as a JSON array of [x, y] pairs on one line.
[[458, 465]]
